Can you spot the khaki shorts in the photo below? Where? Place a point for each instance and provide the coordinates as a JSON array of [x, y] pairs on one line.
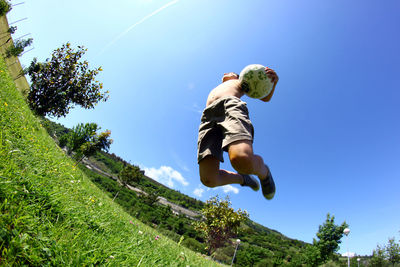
[[223, 122]]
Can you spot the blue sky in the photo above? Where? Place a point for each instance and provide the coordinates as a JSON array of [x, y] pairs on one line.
[[330, 134]]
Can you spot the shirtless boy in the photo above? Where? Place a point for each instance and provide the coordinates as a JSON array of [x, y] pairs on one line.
[[225, 126]]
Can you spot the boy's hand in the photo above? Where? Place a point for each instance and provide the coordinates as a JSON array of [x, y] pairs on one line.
[[274, 79], [272, 75]]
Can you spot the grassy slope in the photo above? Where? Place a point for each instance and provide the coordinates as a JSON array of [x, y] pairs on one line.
[[52, 214]]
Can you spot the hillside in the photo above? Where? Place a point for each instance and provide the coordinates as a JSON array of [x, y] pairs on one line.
[[52, 214]]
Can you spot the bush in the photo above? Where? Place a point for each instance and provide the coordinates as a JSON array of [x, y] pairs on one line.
[[194, 245]]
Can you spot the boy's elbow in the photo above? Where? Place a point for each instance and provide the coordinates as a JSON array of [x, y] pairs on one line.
[[266, 99]]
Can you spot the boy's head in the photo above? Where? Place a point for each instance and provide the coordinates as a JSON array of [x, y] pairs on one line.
[[230, 76]]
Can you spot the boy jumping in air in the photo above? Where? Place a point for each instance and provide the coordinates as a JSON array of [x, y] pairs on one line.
[[225, 126]]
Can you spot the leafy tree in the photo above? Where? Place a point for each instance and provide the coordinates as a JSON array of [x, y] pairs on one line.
[[378, 257], [221, 222], [62, 82], [392, 251], [18, 47], [130, 175], [150, 198], [85, 141], [329, 237]]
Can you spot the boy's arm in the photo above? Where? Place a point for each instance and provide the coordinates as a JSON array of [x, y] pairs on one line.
[[268, 97], [274, 78]]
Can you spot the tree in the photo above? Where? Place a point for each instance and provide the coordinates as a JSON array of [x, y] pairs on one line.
[[329, 237], [85, 141], [220, 223], [150, 198], [130, 174], [378, 257], [62, 82], [392, 251]]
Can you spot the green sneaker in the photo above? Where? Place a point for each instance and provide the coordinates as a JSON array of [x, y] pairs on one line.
[[268, 186], [250, 181]]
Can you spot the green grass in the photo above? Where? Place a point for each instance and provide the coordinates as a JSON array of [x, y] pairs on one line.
[[52, 214]]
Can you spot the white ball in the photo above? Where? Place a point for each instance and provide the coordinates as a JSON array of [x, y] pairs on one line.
[[255, 83]]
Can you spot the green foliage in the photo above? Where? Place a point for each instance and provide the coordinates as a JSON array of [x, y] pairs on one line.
[[109, 162], [5, 7], [150, 198], [12, 29], [63, 81], [85, 141], [312, 256], [392, 251], [130, 175], [387, 254], [329, 237], [378, 257], [193, 244], [221, 222], [18, 47]]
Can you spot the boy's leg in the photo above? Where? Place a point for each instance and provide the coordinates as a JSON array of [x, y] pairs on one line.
[[244, 161], [212, 176]]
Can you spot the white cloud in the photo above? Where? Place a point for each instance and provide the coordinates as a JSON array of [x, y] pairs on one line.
[[198, 192], [166, 175], [229, 188]]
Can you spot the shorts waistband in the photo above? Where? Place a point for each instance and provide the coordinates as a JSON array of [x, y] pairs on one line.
[[223, 99]]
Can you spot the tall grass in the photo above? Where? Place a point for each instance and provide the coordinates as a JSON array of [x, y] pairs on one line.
[[52, 214]]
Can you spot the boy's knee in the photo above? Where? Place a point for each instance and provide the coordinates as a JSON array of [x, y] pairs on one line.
[[208, 181], [242, 163]]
